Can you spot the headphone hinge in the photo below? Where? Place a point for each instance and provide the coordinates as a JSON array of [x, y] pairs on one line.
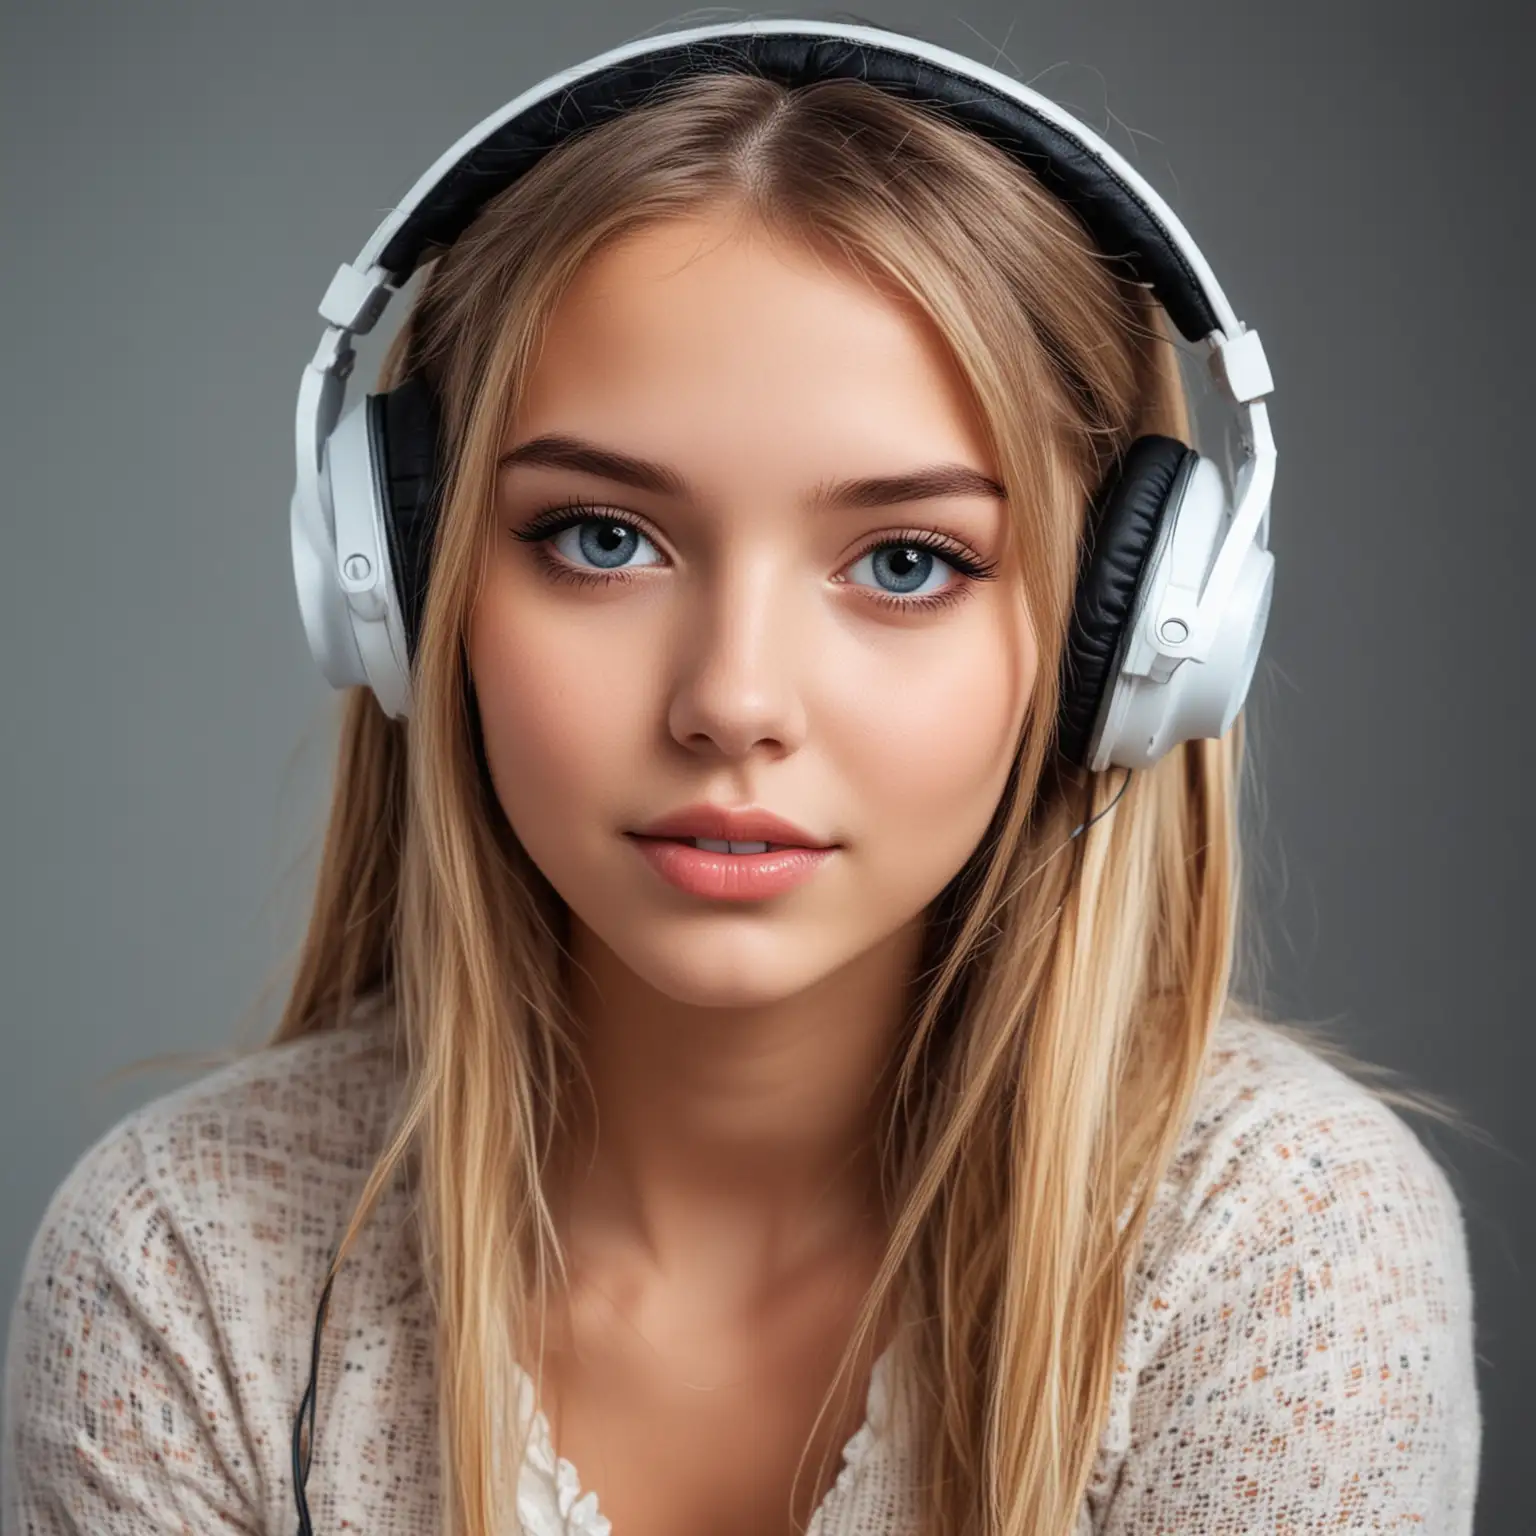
[[354, 300]]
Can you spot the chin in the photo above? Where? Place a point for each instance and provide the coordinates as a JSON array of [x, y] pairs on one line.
[[725, 962]]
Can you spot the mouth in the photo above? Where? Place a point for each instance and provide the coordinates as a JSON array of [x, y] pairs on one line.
[[728, 869]]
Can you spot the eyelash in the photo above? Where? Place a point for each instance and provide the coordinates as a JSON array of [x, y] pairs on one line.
[[543, 527]]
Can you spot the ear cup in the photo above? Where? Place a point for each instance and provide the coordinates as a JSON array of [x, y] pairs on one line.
[[1124, 524], [405, 425]]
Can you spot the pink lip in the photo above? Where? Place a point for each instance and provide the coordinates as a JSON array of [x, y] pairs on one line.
[[750, 824], [793, 855], [730, 876]]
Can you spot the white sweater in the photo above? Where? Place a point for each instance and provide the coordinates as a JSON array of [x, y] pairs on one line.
[[1297, 1354]]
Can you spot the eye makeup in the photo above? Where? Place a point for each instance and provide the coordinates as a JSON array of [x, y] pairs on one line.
[[540, 530]]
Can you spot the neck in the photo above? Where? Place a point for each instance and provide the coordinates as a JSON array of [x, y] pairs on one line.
[[738, 1140]]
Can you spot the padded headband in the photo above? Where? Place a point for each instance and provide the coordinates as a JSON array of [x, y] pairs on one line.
[[1116, 217]]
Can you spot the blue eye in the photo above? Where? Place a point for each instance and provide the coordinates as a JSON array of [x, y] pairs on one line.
[[909, 570], [604, 543], [903, 570]]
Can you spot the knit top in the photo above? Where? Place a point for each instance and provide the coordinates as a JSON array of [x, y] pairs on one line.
[[1297, 1352]]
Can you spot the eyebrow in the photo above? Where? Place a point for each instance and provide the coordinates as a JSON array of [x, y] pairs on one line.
[[558, 450]]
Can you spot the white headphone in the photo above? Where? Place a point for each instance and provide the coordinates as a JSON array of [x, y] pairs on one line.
[[1174, 594]]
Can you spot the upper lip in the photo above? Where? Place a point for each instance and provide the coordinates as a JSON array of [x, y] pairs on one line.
[[749, 824]]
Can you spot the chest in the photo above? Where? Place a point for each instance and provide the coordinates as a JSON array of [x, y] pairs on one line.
[[739, 1449]]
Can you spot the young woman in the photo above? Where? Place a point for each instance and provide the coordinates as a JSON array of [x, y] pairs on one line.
[[740, 1099]]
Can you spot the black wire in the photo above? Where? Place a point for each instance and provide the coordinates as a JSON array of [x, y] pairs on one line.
[[301, 1459], [1108, 808]]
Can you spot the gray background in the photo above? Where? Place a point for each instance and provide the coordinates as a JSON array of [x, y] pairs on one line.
[[180, 181]]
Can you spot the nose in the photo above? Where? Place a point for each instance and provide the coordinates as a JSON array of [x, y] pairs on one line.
[[738, 680]]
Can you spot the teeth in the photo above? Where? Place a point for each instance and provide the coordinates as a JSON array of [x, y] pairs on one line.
[[713, 845]]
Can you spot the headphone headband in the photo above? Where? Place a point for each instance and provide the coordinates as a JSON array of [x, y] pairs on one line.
[[1124, 214], [1120, 211]]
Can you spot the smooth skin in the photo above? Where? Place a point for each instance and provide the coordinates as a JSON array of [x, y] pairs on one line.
[[759, 647]]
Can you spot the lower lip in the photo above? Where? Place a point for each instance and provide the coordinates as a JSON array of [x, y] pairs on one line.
[[730, 876]]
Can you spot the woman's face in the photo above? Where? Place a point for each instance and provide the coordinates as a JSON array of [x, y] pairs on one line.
[[690, 604]]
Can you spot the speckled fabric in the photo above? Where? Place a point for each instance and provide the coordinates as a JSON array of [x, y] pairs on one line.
[[1297, 1354]]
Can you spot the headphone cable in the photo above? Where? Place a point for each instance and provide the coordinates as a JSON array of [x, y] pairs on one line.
[[304, 1445]]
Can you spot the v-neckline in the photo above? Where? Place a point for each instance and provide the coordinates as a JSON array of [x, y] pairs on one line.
[[576, 1509]]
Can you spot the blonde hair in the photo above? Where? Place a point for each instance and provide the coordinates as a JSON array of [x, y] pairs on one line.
[[1070, 987]]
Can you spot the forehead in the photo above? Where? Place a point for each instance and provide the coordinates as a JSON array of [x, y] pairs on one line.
[[710, 339]]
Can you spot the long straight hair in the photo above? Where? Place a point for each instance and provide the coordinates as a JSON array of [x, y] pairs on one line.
[[1060, 1020]]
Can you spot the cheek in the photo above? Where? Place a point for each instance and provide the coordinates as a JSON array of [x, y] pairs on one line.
[[557, 703], [927, 734]]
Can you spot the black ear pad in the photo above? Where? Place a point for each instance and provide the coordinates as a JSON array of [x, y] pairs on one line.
[[1124, 522], [405, 436]]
